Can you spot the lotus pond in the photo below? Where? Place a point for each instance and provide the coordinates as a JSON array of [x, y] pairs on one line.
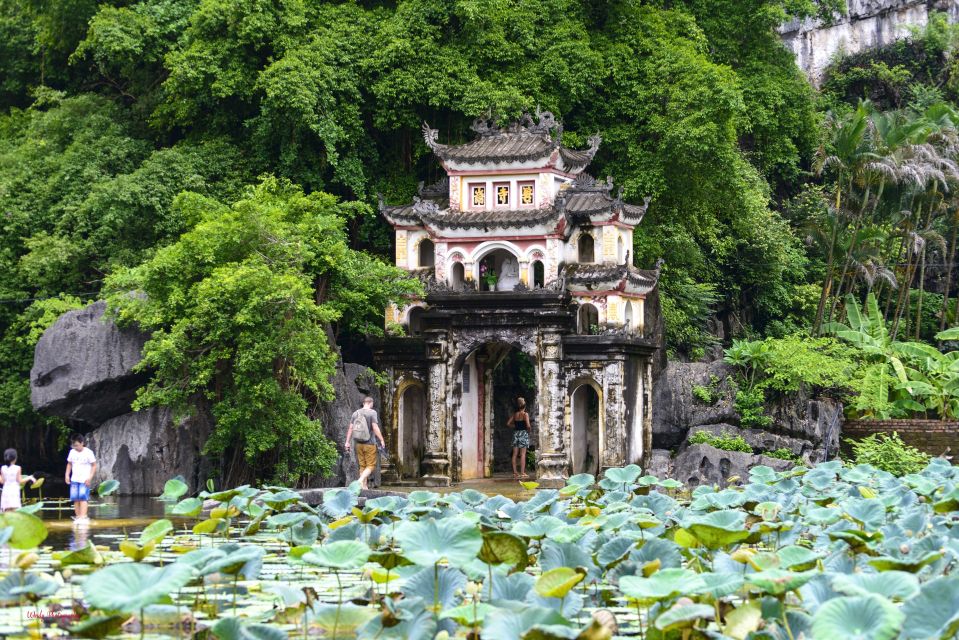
[[828, 552]]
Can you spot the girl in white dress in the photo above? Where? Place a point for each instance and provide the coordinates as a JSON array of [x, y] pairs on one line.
[[11, 481]]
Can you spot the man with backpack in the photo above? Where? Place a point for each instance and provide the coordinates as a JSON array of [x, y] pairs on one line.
[[364, 425]]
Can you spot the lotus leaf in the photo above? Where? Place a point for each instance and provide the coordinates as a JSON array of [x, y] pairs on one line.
[[85, 555], [32, 585], [469, 614], [719, 585], [430, 541], [107, 488], [190, 507], [719, 528], [136, 552], [174, 489], [912, 562], [340, 621], [614, 551], [777, 581], [624, 475], [441, 587], [415, 623], [870, 513], [511, 588], [236, 629], [130, 587], [869, 617], [934, 613], [305, 533], [28, 530], [156, 531], [894, 585], [662, 585], [743, 620], [503, 623], [235, 559], [556, 583], [537, 528], [31, 508], [681, 616], [338, 502], [500, 547], [97, 627], [210, 526], [795, 557], [340, 555]]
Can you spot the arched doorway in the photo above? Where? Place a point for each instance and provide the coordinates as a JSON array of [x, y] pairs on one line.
[[585, 428], [620, 250], [491, 378], [587, 252], [415, 321], [629, 316], [587, 319], [426, 253], [411, 429], [457, 276], [498, 271], [539, 274]]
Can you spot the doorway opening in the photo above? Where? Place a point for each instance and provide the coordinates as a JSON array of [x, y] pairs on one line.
[[491, 379], [584, 409], [412, 427]]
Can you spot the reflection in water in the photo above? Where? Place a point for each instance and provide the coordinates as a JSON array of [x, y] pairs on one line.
[[108, 516]]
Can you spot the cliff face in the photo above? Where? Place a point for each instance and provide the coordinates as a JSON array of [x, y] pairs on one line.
[[83, 373], [867, 24]]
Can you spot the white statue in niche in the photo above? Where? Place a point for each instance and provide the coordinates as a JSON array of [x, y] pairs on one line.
[[509, 275]]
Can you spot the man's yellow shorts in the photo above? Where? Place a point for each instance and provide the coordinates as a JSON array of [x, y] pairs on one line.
[[366, 456]]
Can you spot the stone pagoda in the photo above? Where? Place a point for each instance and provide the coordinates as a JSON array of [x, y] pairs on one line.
[[530, 291]]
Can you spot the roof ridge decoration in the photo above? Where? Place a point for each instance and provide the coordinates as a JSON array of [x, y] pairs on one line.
[[528, 138]]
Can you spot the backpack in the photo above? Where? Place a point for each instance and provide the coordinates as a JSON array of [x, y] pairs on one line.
[[361, 428]]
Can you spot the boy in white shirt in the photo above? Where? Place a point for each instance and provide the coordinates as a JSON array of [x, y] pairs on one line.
[[81, 465]]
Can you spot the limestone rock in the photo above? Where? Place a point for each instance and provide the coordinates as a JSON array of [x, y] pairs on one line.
[[703, 464], [351, 384], [144, 449], [764, 441], [659, 464], [675, 409], [83, 367]]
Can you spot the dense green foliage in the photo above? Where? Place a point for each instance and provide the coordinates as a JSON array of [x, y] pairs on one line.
[[888, 452], [238, 309], [724, 441]]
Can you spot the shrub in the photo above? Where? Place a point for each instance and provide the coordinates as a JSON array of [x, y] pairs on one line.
[[703, 394], [783, 453], [749, 406], [724, 441], [889, 453]]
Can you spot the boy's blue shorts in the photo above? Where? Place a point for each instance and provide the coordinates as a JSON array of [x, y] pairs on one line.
[[79, 492]]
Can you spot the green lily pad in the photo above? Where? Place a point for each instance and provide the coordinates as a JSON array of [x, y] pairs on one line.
[[130, 587], [556, 583], [869, 617], [174, 489], [28, 530], [340, 555], [500, 547], [430, 541], [108, 488]]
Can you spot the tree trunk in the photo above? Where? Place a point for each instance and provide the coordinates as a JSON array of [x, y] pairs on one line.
[[945, 293]]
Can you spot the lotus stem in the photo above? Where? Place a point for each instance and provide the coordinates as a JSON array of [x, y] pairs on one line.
[[339, 603]]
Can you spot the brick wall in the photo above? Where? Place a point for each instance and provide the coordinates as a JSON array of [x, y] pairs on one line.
[[932, 436]]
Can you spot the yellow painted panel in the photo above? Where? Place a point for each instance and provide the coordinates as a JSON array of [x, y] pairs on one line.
[[401, 248]]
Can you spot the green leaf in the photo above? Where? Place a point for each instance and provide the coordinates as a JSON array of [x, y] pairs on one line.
[[894, 585], [108, 488], [431, 541], [155, 532], [174, 489], [237, 629], [190, 507], [468, 614], [130, 587], [500, 547], [136, 552], [340, 555], [934, 613], [868, 617], [556, 583], [743, 620], [662, 585], [718, 529], [682, 616], [28, 530], [85, 555]]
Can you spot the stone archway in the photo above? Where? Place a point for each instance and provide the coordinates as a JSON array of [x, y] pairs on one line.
[[586, 426], [490, 378]]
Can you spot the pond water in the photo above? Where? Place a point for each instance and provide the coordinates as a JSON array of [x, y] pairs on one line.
[[108, 517]]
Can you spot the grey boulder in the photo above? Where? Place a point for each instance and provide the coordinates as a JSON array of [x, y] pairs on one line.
[[83, 367], [703, 464]]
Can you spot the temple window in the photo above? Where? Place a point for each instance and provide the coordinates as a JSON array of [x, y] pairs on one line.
[[478, 196], [527, 194], [539, 274], [587, 252], [426, 253], [457, 276], [588, 317], [501, 189]]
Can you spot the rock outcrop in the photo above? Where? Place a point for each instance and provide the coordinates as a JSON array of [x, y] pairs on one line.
[[867, 24], [144, 449], [83, 367], [703, 464], [675, 410]]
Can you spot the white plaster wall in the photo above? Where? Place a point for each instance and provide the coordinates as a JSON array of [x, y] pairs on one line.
[[469, 411], [868, 24]]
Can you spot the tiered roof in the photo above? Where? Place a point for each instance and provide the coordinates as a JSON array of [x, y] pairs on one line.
[[587, 278], [584, 200], [526, 141]]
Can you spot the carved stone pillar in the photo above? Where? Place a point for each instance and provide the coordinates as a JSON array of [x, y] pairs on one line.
[[389, 424], [552, 461], [615, 430], [647, 392], [436, 461]]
